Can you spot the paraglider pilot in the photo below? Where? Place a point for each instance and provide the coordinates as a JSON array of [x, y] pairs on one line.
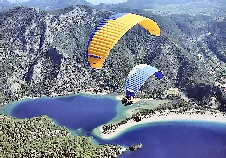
[[136, 78], [127, 99]]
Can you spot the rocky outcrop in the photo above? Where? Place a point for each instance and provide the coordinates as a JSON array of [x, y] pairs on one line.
[[135, 147]]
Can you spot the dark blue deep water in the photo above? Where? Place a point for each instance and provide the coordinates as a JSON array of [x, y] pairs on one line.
[[73, 112], [176, 140], [160, 140]]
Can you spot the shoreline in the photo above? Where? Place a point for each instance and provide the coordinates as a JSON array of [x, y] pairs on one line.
[[145, 119], [220, 118], [119, 97], [53, 95]]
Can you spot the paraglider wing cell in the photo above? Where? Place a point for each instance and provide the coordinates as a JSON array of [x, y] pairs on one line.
[[137, 77], [110, 30]]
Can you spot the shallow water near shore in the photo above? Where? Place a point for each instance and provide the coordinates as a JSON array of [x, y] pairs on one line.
[[83, 113]]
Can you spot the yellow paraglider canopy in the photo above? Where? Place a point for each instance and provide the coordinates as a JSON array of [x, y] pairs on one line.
[[110, 30]]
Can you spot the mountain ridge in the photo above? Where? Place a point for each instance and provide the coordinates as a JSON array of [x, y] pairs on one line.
[[48, 52]]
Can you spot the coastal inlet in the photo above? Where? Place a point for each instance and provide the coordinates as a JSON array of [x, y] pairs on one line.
[[165, 137]]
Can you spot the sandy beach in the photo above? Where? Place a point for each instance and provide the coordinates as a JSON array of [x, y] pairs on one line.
[[119, 97], [155, 119]]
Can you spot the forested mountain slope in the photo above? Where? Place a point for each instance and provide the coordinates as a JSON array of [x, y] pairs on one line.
[[43, 53]]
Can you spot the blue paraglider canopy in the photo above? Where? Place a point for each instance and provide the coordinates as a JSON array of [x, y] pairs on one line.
[[138, 76]]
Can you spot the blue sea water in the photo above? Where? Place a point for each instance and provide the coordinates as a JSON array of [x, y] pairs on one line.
[[74, 112], [175, 140], [160, 140]]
